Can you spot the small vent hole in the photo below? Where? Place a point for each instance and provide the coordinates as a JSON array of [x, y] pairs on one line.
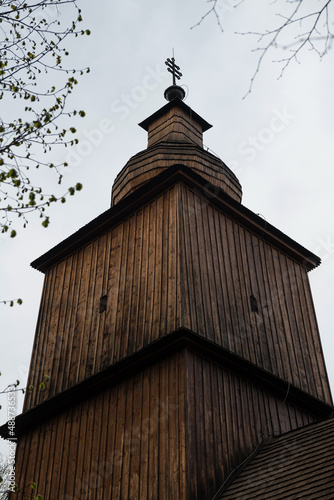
[[253, 304], [103, 303]]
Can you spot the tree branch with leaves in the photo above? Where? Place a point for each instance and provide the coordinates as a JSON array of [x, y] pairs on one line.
[[34, 87]]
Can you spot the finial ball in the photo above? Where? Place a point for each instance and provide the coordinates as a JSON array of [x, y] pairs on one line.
[[174, 91]]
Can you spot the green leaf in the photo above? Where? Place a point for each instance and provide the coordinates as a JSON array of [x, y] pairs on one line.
[[45, 222]]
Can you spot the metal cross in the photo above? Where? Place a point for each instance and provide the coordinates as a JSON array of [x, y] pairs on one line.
[[174, 69]]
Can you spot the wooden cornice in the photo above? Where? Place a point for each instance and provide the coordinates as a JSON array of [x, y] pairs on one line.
[[172, 104], [176, 341], [167, 178]]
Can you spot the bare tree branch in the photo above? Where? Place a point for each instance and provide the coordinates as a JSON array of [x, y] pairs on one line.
[[314, 27]]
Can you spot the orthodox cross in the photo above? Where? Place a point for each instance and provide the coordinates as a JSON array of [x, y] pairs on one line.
[[174, 69]]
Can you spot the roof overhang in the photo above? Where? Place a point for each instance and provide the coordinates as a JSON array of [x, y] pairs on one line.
[[154, 187]]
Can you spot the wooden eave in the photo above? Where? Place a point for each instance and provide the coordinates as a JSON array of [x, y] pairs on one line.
[[156, 351], [171, 176], [173, 104]]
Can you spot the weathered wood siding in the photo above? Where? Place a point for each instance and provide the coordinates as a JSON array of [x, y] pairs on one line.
[[128, 442], [173, 431], [136, 264], [226, 418], [177, 262], [225, 268]]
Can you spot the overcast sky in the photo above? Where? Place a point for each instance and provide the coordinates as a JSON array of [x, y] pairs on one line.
[[278, 141]]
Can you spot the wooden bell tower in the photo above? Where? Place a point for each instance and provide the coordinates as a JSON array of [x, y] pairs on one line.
[[178, 331]]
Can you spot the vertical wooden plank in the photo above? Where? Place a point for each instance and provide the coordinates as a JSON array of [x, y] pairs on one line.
[[172, 305], [81, 435], [212, 274], [248, 332], [121, 337], [199, 422], [191, 437], [188, 314], [68, 451], [228, 288], [144, 485], [312, 337], [48, 468], [70, 332], [88, 338], [56, 469], [102, 353], [58, 361], [80, 317], [158, 278], [216, 276], [225, 308], [34, 453], [88, 469], [182, 361], [96, 289], [195, 264], [224, 420], [134, 332], [171, 412], [66, 306], [112, 454], [103, 465], [119, 442], [110, 331], [54, 336], [165, 248], [209, 438], [270, 294], [202, 270], [279, 310], [161, 423], [151, 269], [153, 426], [128, 439], [300, 377], [135, 472], [142, 333]]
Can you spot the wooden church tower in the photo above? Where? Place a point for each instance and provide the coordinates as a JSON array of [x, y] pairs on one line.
[[178, 331]]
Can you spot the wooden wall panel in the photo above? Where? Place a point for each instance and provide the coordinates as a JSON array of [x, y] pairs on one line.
[[126, 442], [177, 261], [248, 296], [175, 430], [136, 264], [226, 418]]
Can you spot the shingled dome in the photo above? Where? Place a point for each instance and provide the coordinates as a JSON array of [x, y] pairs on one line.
[[175, 136]]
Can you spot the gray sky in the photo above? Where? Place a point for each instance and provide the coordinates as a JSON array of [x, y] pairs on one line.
[[278, 140]]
